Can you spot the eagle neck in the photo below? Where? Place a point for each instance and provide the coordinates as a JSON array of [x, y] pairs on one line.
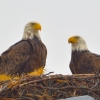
[[31, 34], [37, 35], [75, 52], [79, 46]]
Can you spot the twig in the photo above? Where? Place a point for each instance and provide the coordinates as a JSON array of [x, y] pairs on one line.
[[95, 85]]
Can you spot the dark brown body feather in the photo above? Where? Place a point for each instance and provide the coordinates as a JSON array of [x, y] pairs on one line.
[[23, 57], [84, 62]]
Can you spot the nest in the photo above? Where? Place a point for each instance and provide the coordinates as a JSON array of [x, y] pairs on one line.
[[51, 87]]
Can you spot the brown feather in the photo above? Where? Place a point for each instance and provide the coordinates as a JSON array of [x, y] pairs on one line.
[[84, 62], [23, 57]]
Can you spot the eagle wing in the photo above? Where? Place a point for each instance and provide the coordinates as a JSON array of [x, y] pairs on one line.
[[91, 63], [12, 59], [40, 54], [86, 63]]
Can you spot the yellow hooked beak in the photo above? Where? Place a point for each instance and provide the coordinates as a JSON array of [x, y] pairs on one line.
[[36, 26], [73, 39]]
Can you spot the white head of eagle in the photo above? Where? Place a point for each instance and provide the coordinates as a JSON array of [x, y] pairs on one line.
[[77, 43], [31, 29]]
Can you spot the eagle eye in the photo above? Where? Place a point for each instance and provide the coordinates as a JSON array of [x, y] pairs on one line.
[[33, 24], [77, 37]]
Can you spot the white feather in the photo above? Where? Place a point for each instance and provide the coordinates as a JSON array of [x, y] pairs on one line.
[[29, 32], [80, 45]]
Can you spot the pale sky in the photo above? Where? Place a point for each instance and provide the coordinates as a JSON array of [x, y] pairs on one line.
[[59, 19]]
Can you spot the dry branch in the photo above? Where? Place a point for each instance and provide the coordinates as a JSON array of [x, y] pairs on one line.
[[51, 87]]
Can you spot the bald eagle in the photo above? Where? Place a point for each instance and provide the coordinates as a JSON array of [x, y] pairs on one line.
[[82, 60], [26, 55]]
